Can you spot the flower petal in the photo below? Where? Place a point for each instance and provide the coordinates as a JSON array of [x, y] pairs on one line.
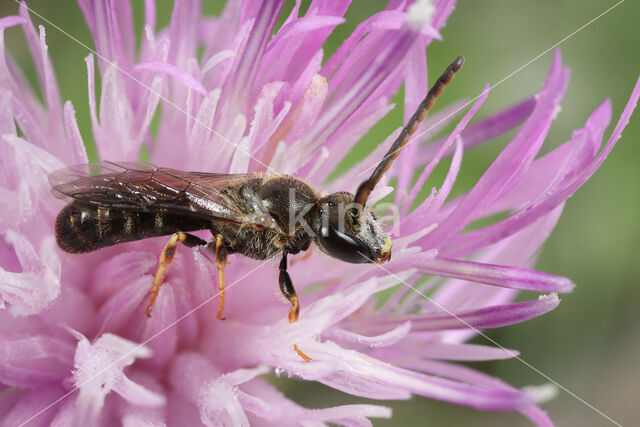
[[483, 318], [363, 376], [463, 373], [497, 275], [445, 146], [10, 21], [247, 61], [466, 352], [511, 163], [77, 150], [416, 87], [33, 361], [563, 190], [34, 289], [99, 369], [383, 340], [31, 402], [38, 48], [173, 71], [390, 52], [485, 129], [111, 26]]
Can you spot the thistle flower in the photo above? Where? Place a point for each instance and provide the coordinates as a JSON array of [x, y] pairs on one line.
[[260, 100]]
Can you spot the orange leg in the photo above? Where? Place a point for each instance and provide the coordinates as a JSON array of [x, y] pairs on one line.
[[294, 311], [166, 258], [221, 262]]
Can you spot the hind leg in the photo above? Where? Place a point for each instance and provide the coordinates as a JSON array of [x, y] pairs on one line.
[[166, 258], [221, 262]]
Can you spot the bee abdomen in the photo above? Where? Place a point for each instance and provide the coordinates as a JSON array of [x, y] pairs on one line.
[[85, 228]]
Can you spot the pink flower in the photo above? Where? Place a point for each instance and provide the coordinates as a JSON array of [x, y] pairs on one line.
[[75, 346]]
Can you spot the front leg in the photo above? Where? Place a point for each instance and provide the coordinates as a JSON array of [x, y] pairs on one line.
[[286, 287]]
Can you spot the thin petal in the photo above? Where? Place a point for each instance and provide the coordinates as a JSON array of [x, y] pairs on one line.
[[364, 376], [137, 394], [380, 68], [416, 86], [466, 352], [78, 153], [485, 129], [32, 402], [348, 414], [33, 361], [561, 192], [10, 21], [34, 289], [99, 370], [484, 318], [216, 59], [497, 275], [163, 341], [173, 71], [7, 122], [512, 162], [466, 374], [199, 141], [445, 146], [382, 340], [183, 30], [114, 315], [111, 26], [294, 45], [248, 60], [445, 189], [551, 169]]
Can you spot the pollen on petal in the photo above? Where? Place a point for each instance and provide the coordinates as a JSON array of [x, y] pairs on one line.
[[419, 14]]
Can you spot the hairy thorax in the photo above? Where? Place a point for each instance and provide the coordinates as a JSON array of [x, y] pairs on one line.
[[285, 201]]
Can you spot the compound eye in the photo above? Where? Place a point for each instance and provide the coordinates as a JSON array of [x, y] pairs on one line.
[[346, 248]]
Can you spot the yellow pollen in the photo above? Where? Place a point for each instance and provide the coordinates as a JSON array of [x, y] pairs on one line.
[[387, 246], [318, 83]]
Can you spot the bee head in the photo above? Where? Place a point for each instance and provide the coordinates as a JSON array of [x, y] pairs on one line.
[[350, 233], [347, 229]]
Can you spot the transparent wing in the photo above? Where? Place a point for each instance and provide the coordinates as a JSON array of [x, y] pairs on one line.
[[145, 187]]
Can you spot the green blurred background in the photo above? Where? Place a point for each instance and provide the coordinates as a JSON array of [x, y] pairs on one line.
[[590, 344]]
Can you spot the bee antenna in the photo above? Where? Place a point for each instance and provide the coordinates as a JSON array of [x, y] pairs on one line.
[[367, 186]]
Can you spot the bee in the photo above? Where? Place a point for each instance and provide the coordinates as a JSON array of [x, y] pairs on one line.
[[256, 215]]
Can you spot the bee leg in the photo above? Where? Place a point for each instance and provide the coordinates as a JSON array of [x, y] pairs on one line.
[[286, 287], [221, 261], [166, 258], [303, 257]]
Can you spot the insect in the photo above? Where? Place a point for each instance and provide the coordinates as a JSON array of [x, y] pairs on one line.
[[249, 214]]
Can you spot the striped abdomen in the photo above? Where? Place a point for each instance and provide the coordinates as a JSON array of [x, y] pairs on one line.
[[85, 228]]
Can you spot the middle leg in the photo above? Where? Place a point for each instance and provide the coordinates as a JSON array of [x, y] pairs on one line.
[[286, 287]]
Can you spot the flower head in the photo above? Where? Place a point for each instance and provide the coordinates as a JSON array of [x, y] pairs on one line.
[[261, 98]]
